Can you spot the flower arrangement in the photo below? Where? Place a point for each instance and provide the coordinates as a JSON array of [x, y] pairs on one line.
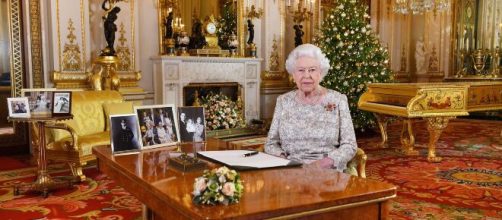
[[221, 112], [220, 185]]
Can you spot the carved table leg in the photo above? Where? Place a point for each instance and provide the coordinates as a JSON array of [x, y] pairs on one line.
[[44, 182], [407, 138], [382, 125], [435, 127]]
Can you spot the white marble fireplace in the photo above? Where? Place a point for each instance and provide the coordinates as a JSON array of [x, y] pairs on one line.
[[172, 73]]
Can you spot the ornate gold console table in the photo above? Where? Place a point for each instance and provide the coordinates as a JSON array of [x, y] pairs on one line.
[[437, 103]]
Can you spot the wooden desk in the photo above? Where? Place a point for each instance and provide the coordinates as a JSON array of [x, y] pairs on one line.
[[271, 193]]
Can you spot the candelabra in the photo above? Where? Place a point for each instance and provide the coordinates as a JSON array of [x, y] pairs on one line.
[[421, 6], [253, 13], [304, 10]]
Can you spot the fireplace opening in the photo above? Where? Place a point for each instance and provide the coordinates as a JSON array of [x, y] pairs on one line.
[[194, 92]]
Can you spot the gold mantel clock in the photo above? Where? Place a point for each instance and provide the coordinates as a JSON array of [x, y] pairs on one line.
[[210, 33]]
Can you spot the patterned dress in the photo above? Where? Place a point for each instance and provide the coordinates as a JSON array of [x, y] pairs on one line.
[[307, 133]]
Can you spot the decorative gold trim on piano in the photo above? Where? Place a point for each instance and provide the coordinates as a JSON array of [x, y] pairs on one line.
[[439, 102]]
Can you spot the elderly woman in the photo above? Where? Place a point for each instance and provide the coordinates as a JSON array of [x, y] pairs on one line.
[[312, 124]]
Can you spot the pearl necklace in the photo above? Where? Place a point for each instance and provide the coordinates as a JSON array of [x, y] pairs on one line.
[[313, 99]]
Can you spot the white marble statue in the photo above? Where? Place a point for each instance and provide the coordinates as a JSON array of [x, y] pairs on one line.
[[420, 56]]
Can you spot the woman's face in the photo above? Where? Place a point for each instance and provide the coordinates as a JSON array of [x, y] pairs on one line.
[[307, 74], [199, 120]]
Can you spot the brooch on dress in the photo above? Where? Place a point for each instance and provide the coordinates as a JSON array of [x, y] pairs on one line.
[[330, 107]]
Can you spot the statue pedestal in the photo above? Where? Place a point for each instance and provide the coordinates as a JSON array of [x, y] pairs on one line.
[[251, 50], [105, 76]]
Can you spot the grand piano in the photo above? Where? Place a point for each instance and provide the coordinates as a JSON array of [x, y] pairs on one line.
[[437, 103]]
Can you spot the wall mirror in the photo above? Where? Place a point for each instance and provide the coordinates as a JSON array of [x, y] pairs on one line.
[[13, 137], [477, 39], [184, 12]]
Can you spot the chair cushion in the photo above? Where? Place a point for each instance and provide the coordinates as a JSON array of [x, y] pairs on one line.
[[116, 109], [86, 142]]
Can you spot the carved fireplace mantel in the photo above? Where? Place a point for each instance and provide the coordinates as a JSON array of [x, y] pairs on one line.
[[172, 73]]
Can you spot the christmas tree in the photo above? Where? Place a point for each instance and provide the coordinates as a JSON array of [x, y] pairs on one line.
[[227, 24], [355, 55]]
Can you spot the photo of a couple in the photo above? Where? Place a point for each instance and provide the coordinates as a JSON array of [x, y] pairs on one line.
[[62, 103], [192, 124]]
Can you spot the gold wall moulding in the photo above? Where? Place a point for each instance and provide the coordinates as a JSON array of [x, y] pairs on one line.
[[36, 44], [123, 52], [72, 57]]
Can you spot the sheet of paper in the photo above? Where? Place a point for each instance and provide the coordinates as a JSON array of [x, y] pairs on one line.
[[236, 158]]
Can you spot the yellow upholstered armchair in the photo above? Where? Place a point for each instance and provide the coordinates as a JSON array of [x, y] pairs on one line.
[[71, 141]]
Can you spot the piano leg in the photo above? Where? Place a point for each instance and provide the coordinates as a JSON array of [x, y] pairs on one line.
[[382, 125], [407, 138], [435, 126]]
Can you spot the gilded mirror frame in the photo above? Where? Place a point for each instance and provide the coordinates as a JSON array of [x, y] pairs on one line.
[[17, 141], [162, 13]]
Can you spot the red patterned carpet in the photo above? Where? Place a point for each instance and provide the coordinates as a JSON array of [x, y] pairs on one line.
[[97, 198], [467, 184]]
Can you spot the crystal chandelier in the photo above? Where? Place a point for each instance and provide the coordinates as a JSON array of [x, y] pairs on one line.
[[421, 6]]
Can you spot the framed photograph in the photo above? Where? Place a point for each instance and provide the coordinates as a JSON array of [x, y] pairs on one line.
[[40, 100], [192, 124], [157, 125], [18, 107], [124, 133], [62, 103]]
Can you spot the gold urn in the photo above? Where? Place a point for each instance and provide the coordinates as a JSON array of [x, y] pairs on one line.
[[479, 60]]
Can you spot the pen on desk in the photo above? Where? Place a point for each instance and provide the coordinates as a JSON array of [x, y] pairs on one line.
[[250, 153]]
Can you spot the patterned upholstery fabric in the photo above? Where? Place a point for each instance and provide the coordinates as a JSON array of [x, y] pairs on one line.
[[88, 114], [88, 125], [85, 142]]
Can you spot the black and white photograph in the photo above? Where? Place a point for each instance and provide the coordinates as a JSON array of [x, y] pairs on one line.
[[125, 137], [40, 100], [192, 124], [62, 103], [157, 124], [18, 107]]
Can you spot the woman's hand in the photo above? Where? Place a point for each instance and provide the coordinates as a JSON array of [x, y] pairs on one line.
[[324, 163]]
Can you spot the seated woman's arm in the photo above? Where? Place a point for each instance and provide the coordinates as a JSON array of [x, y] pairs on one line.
[[348, 145], [273, 145]]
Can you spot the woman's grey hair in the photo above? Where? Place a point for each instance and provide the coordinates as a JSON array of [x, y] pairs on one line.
[[307, 50]]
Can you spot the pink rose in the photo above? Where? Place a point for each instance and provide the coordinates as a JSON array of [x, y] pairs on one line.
[[228, 189], [199, 186]]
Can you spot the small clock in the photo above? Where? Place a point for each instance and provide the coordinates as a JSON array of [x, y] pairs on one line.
[[211, 28]]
